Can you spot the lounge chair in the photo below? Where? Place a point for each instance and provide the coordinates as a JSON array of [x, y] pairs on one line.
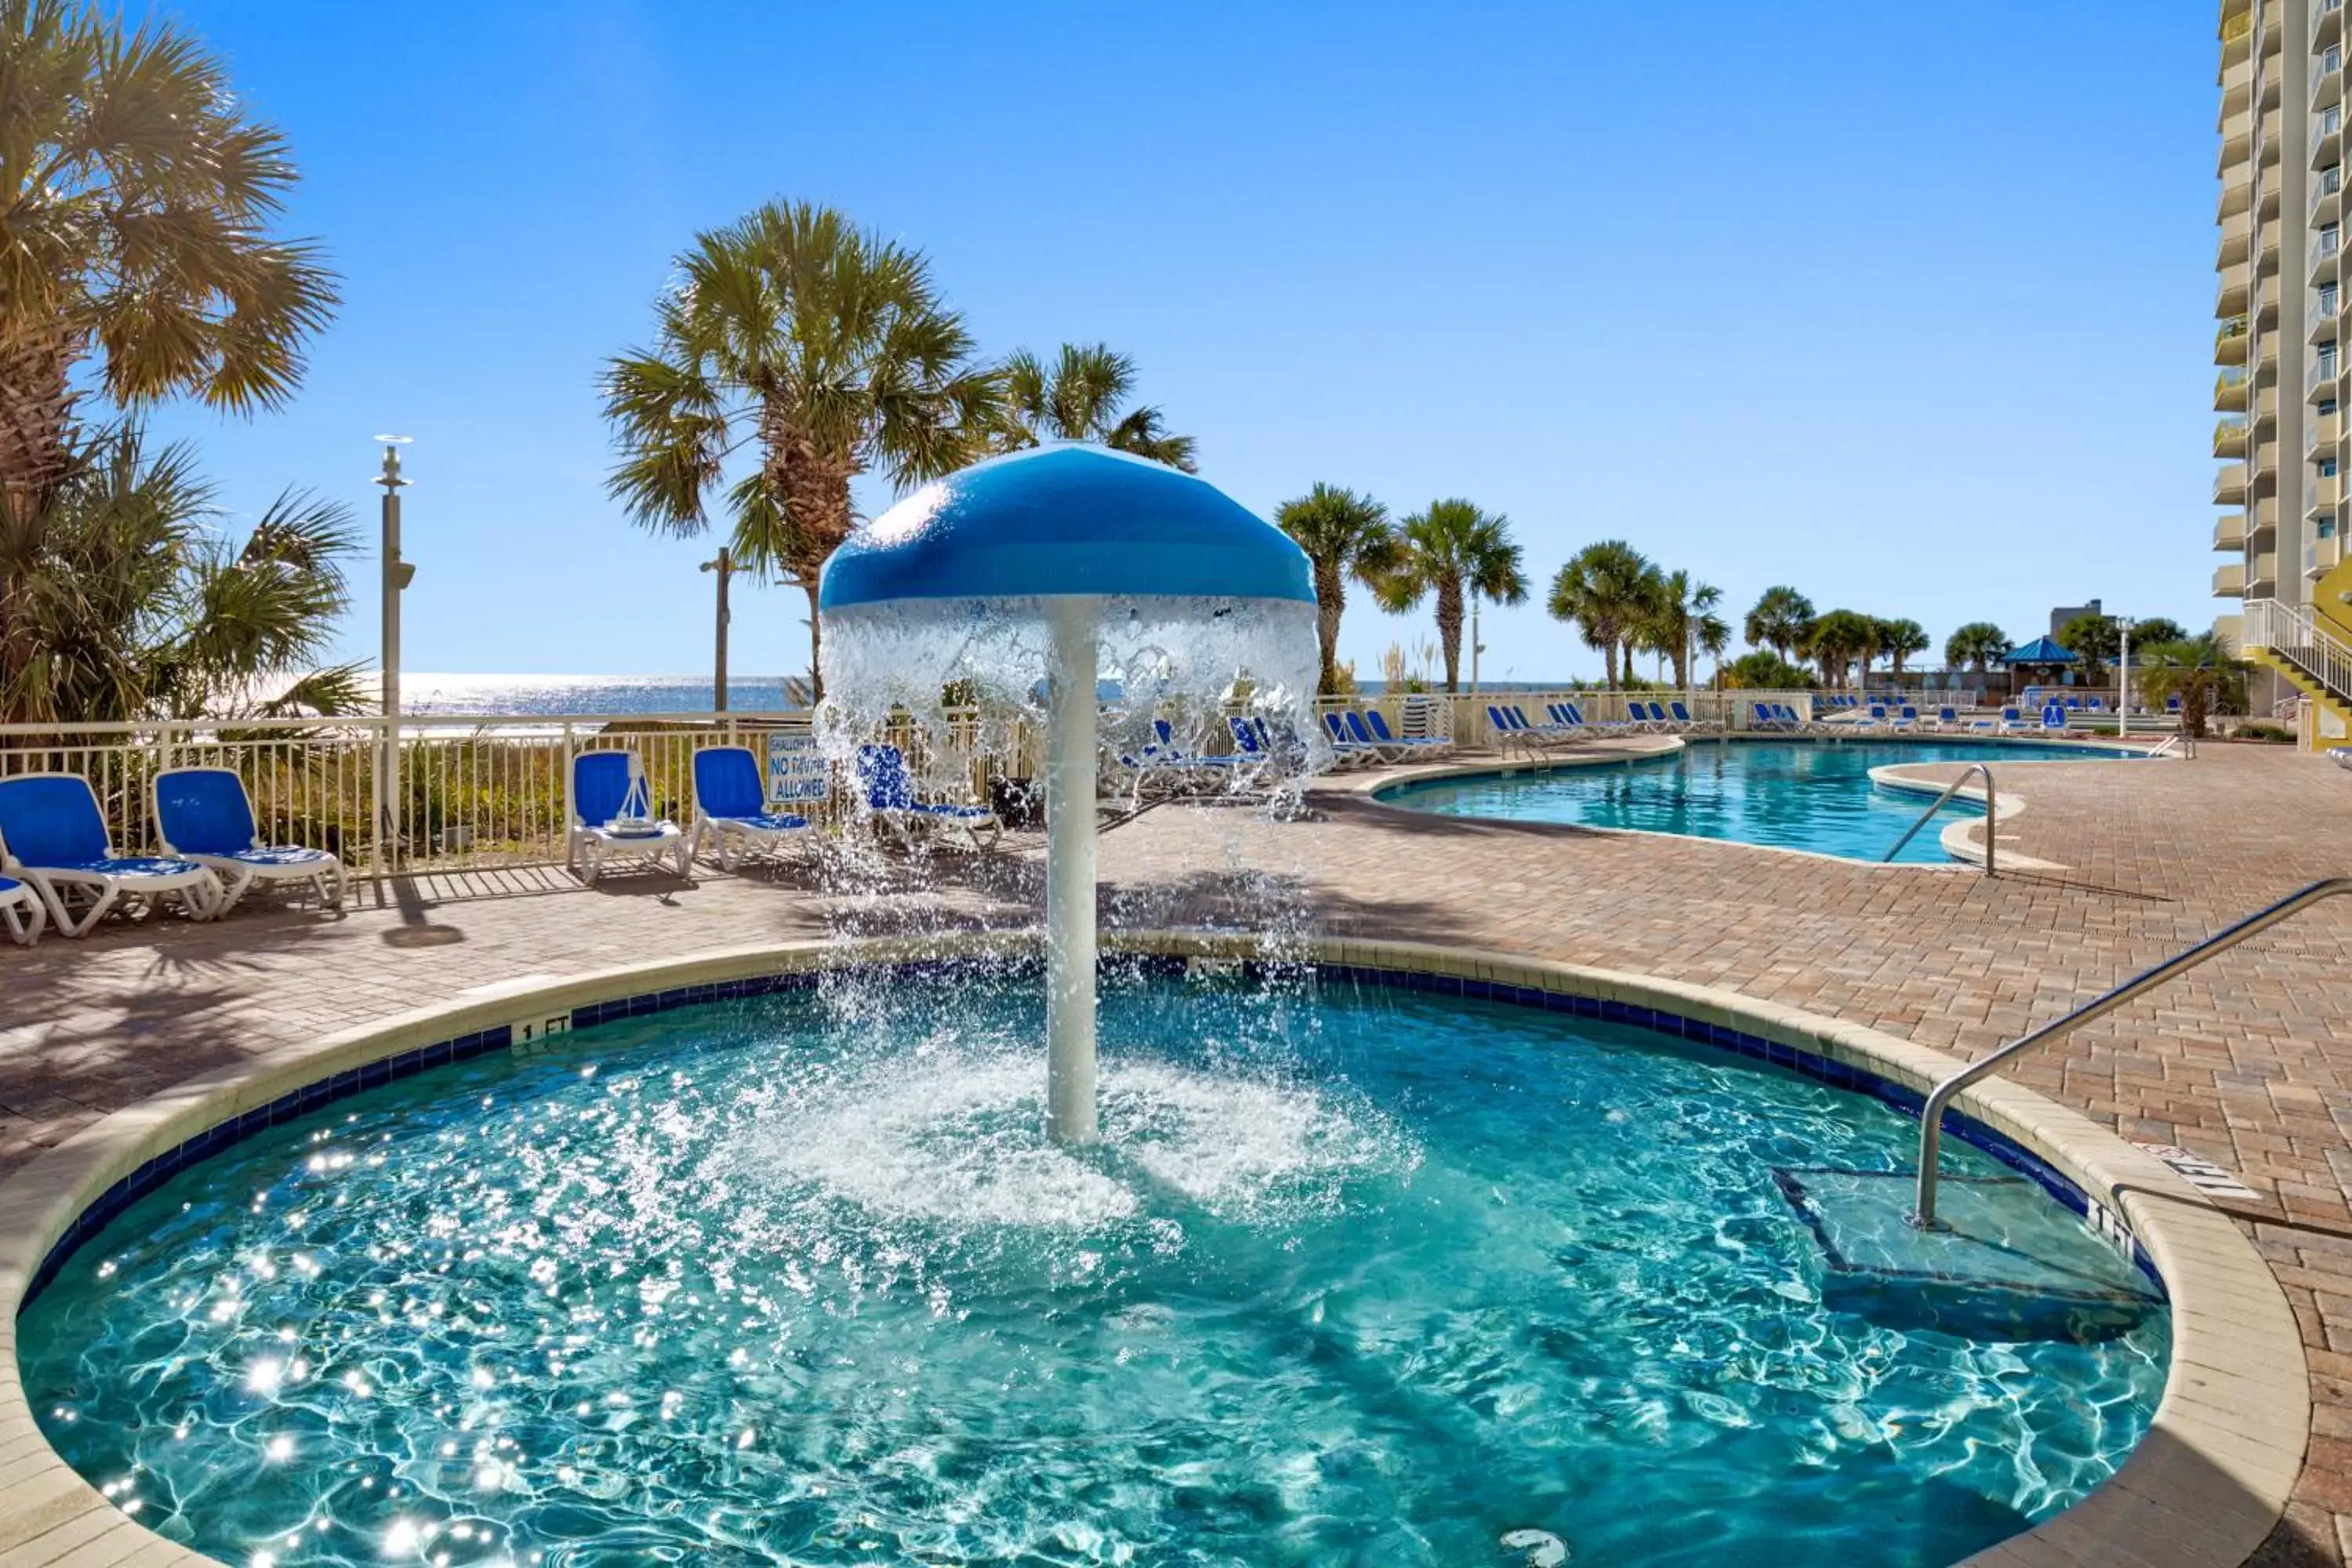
[[1766, 717], [1418, 745], [1948, 717], [1351, 753], [613, 820], [731, 808], [21, 912], [1906, 718], [2012, 722], [1683, 720], [2053, 719], [890, 796], [2172, 706], [2342, 755], [53, 839], [204, 815], [1567, 719]]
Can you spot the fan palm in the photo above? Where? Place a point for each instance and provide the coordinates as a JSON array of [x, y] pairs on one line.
[[1779, 620], [1078, 398], [2203, 671], [1344, 535], [136, 256], [1682, 614], [1979, 644], [1897, 640], [135, 607], [1610, 590], [1446, 552], [824, 348], [1839, 640]]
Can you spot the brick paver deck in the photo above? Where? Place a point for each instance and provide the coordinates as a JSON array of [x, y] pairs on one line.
[[2245, 1062]]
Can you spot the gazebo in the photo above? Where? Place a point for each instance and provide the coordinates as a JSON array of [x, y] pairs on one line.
[[2042, 654]]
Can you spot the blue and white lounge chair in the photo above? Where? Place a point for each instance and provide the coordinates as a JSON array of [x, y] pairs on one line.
[[1762, 717], [1683, 720], [1346, 748], [1567, 719], [2053, 719], [1791, 719], [890, 796], [53, 839], [2172, 705], [1430, 746], [731, 808], [1948, 717], [1906, 718], [611, 819], [21, 912], [203, 815], [2012, 722]]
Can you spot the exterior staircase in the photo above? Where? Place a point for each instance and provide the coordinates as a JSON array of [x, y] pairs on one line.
[[2313, 655]]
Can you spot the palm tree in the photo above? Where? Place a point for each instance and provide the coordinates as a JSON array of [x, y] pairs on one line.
[[1898, 640], [1344, 535], [1681, 615], [1712, 635], [1078, 398], [2203, 671], [137, 261], [1610, 590], [1979, 644], [1779, 620], [1837, 640], [141, 608], [1448, 551], [824, 348]]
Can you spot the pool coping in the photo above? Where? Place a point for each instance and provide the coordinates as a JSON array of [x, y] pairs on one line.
[[2203, 1489]]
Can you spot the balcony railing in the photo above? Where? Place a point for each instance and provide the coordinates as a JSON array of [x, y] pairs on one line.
[[2230, 580], [2320, 556], [2320, 495], [2262, 569], [2229, 485], [2328, 127], [2229, 389], [2229, 438], [2327, 78], [2229, 342], [2326, 16], [2229, 531], [2319, 431], [2323, 372]]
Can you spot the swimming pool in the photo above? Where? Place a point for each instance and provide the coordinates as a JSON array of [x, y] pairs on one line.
[[1798, 794], [1360, 1275]]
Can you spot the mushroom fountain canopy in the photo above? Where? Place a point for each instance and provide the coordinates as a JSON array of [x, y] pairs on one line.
[[963, 581]]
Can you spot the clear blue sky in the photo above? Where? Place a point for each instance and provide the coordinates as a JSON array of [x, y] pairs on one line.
[[1908, 305]]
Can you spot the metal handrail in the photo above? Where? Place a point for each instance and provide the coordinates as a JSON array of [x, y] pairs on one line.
[[1949, 791], [1931, 1117]]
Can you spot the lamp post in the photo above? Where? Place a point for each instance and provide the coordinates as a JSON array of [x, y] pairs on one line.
[[396, 574], [2123, 676], [725, 567]]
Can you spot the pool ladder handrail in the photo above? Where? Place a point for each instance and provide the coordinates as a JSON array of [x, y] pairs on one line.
[[1931, 1116], [1949, 791]]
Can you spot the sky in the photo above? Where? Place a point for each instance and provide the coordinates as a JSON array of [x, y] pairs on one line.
[[1907, 306]]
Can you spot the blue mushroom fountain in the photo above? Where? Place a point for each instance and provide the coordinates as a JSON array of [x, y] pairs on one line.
[[1067, 564]]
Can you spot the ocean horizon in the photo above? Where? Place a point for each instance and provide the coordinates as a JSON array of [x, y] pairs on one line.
[[499, 695]]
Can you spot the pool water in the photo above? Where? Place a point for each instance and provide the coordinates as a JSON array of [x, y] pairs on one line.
[[1359, 1278], [1798, 794]]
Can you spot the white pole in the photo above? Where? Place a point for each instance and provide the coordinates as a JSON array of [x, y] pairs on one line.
[[2123, 679], [396, 573], [1070, 766]]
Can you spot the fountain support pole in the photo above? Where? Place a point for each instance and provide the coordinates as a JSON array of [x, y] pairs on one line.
[[1070, 766]]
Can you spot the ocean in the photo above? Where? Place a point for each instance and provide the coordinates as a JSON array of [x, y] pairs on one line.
[[515, 696]]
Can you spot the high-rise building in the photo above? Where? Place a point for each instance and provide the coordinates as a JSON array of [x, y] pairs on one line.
[[2280, 299]]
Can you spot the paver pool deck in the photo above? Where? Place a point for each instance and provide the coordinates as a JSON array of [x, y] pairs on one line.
[[2246, 1062]]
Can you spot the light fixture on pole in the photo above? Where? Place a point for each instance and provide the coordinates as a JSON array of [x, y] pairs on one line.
[[395, 577], [725, 567], [2123, 676], [1476, 648]]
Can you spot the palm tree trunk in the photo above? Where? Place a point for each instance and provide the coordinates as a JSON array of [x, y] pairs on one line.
[[36, 415], [1330, 598], [1449, 630], [1609, 661]]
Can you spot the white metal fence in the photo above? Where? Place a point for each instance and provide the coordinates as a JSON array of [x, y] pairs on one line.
[[478, 792]]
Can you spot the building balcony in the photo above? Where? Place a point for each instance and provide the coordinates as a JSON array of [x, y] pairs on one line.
[[2237, 88], [2327, 78], [2229, 485], [2321, 430], [2327, 138], [2266, 412], [2273, 78], [2230, 580], [2230, 343], [2326, 24], [2261, 523], [2237, 143], [2230, 532], [2237, 190], [2266, 252], [2326, 204], [2229, 296], [2319, 317], [2237, 237], [2230, 390], [2320, 377], [2320, 494], [2229, 438], [2320, 256], [2237, 38], [2262, 573], [2262, 468], [2266, 304], [2320, 556], [2229, 631]]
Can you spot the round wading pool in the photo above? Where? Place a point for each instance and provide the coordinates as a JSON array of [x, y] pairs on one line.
[[1359, 1275]]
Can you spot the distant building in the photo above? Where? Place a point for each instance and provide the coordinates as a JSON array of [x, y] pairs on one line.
[[2060, 617]]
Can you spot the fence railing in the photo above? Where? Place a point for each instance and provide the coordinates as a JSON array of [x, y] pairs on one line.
[[2292, 634]]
